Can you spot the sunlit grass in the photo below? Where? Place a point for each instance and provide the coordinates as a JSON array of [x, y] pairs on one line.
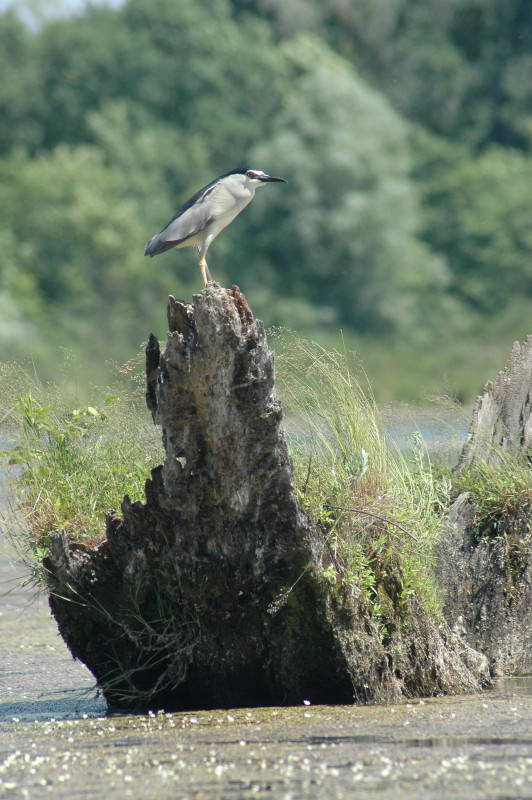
[[380, 507], [502, 493]]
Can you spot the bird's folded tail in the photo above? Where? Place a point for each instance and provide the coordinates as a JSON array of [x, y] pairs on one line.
[[157, 245]]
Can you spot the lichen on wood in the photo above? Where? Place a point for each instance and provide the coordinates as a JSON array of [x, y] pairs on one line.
[[213, 592]]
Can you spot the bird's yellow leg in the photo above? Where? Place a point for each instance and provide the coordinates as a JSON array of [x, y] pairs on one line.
[[204, 270]]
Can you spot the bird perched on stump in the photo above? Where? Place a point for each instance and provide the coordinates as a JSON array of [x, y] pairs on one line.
[[199, 221]]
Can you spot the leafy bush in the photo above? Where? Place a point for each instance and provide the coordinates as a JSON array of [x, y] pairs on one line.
[[479, 219]]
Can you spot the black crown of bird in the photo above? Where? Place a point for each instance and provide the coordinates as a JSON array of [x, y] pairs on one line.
[[204, 215]]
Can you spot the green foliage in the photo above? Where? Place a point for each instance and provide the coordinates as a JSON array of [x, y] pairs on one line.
[[73, 464], [379, 508], [502, 496], [172, 60], [73, 248], [480, 220], [349, 201], [19, 95], [459, 68]]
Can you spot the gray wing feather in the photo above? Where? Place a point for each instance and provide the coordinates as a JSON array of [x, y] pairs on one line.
[[212, 204], [190, 222]]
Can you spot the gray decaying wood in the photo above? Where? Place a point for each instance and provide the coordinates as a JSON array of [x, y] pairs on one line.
[[486, 575], [213, 593], [502, 418], [488, 586]]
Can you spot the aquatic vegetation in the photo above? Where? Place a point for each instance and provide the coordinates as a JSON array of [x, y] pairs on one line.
[[343, 595]]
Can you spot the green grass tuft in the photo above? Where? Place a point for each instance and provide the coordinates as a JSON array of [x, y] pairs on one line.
[[380, 507], [501, 493]]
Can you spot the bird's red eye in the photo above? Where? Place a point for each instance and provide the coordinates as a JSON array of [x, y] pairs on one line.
[[251, 174]]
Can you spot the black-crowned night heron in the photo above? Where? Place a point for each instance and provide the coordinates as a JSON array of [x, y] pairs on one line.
[[199, 221]]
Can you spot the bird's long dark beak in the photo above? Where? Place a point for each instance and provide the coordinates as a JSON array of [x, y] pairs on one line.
[[271, 179]]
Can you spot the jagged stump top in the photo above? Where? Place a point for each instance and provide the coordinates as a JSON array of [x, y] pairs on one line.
[[212, 392], [502, 417]]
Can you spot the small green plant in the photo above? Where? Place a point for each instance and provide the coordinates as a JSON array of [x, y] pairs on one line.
[[380, 508], [502, 493], [71, 462]]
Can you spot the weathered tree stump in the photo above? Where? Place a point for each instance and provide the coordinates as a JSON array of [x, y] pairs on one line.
[[212, 593], [486, 574], [502, 418]]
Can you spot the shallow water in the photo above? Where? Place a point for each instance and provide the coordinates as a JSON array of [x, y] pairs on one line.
[[475, 747], [55, 739]]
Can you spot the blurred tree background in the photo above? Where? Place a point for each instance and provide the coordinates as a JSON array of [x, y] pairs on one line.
[[404, 128]]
